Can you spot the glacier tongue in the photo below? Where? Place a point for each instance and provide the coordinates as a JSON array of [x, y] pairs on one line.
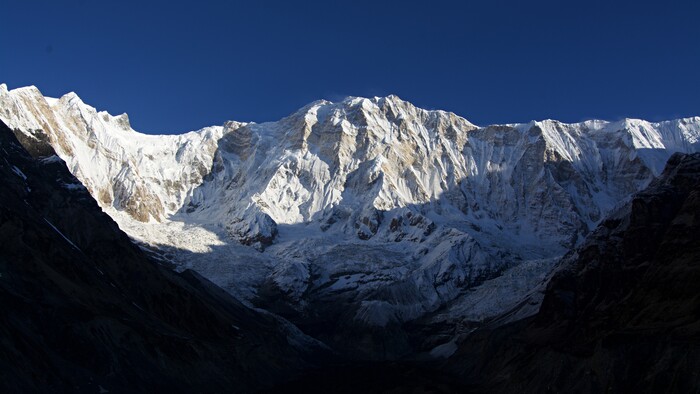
[[368, 212]]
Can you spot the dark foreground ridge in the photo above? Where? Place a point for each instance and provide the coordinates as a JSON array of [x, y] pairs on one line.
[[85, 310]]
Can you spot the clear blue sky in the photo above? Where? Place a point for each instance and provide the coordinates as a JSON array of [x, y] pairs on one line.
[[178, 66]]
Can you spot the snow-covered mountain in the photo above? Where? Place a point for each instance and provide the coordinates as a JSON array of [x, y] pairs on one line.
[[362, 213]]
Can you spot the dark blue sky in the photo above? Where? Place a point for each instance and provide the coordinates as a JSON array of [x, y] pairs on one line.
[[178, 66]]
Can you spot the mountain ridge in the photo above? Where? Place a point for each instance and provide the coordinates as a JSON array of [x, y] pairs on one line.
[[52, 100]]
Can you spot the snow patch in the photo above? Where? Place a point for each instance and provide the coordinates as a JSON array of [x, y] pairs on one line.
[[63, 235]]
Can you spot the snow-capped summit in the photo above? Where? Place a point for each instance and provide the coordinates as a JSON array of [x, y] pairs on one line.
[[388, 211]]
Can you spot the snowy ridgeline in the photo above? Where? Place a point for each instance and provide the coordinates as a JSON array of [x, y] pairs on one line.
[[395, 210]]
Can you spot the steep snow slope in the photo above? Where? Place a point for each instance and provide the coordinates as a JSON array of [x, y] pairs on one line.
[[369, 212], [146, 176]]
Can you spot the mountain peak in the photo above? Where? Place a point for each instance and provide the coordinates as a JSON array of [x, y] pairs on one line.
[[71, 99], [30, 90]]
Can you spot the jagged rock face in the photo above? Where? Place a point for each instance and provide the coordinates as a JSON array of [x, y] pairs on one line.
[[85, 310], [147, 177], [302, 168], [621, 314], [336, 164], [384, 211]]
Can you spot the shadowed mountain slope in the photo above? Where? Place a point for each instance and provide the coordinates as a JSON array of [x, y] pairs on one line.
[[623, 312]]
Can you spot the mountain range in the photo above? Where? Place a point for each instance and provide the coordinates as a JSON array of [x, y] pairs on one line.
[[380, 230]]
